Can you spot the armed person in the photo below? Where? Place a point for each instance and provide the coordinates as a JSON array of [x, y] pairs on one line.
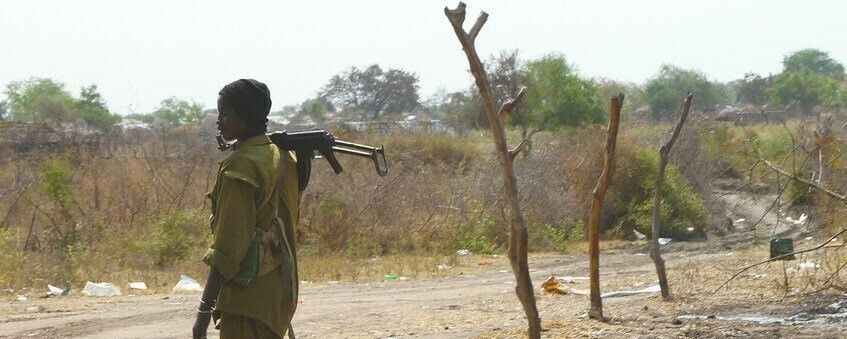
[[252, 284]]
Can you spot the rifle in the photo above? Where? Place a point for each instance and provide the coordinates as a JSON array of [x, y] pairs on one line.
[[305, 144]]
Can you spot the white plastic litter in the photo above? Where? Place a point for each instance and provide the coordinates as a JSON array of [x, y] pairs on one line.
[[102, 289], [664, 241], [799, 221], [442, 267], [639, 235], [570, 280], [807, 266], [54, 290], [138, 285], [187, 284], [21, 298], [651, 289], [463, 252]]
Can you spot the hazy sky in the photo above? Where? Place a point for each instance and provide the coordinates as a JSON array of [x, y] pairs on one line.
[[140, 52]]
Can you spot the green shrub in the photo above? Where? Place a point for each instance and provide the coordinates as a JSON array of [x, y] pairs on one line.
[[175, 235], [680, 207], [12, 259], [477, 235], [551, 237]]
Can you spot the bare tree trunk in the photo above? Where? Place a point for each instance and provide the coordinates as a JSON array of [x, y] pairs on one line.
[[596, 311], [518, 235], [664, 153]]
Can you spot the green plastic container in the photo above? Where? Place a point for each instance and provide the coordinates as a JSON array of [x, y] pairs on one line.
[[781, 246]]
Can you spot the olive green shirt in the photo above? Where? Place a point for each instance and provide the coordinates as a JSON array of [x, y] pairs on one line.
[[245, 196]]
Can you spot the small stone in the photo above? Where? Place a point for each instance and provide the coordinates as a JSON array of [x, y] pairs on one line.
[[676, 321]]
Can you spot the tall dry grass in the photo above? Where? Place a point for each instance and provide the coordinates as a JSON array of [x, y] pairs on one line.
[[131, 206]]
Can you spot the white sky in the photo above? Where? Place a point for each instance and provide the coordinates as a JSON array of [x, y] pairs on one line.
[[141, 52]]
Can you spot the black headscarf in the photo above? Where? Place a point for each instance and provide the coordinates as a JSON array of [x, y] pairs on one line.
[[251, 100]]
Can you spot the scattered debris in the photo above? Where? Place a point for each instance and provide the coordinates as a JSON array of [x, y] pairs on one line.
[[463, 252], [21, 298], [808, 265], [799, 221], [442, 267], [102, 289], [651, 289], [664, 241], [138, 285], [187, 284], [639, 235], [53, 290]]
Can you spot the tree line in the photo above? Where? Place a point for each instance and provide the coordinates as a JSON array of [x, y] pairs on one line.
[[558, 95]]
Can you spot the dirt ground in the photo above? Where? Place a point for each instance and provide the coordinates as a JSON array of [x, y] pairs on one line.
[[471, 300]]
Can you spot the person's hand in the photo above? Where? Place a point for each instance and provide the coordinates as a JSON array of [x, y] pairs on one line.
[[201, 324]]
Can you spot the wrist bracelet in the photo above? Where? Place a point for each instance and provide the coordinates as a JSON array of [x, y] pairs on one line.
[[207, 303], [204, 312]]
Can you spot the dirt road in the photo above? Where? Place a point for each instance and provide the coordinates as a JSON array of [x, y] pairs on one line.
[[474, 303]]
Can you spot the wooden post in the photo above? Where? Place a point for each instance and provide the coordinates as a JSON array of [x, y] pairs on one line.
[[518, 234], [596, 311], [664, 154]]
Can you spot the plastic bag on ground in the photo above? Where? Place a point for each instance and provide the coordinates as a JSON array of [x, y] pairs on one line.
[[102, 289], [54, 290], [137, 285], [187, 284]]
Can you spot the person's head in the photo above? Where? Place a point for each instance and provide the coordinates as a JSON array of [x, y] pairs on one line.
[[243, 107]]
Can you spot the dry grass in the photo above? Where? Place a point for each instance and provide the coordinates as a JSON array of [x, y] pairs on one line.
[[129, 191]]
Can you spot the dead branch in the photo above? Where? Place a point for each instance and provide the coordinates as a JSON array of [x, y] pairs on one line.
[[526, 142], [825, 190], [596, 311], [664, 154], [510, 104], [517, 251], [779, 257]]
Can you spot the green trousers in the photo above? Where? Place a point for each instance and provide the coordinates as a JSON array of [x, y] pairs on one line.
[[234, 326]]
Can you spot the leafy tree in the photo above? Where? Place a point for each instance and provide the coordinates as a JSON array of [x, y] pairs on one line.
[[556, 96], [39, 99], [4, 110], [635, 96], [316, 109], [373, 91], [805, 87], [461, 110], [809, 78], [666, 91], [92, 108], [178, 112], [816, 61], [145, 118], [752, 88]]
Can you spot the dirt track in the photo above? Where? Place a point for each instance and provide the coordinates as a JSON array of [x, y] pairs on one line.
[[479, 301]]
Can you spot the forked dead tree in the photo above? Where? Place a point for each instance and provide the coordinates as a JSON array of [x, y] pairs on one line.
[[596, 311], [664, 154], [517, 251]]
